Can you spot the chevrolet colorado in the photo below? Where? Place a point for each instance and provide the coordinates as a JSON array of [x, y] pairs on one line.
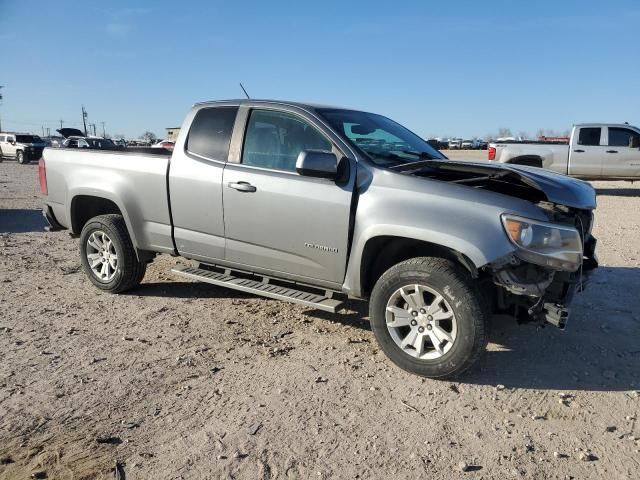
[[312, 204], [595, 151]]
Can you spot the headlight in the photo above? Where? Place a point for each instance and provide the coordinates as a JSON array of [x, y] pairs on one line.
[[547, 244]]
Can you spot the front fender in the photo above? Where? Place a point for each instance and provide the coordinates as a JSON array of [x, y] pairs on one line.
[[459, 218]]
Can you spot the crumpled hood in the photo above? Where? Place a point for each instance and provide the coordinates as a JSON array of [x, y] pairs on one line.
[[556, 188]]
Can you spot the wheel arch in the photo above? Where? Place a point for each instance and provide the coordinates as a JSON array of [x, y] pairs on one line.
[[382, 252], [83, 207], [527, 160]]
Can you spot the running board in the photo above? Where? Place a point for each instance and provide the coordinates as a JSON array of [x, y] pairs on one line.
[[265, 289]]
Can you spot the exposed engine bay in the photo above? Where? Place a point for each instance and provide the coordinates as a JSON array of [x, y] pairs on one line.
[[532, 288]]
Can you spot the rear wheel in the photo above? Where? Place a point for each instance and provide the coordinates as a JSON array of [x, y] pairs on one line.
[[427, 317], [108, 256]]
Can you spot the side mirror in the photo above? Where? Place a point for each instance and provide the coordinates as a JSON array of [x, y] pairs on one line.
[[319, 164]]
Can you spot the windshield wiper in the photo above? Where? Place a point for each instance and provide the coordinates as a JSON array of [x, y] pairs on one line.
[[430, 162], [425, 155]]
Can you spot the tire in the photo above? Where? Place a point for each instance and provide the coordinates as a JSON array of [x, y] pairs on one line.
[[105, 239], [21, 157], [461, 306]]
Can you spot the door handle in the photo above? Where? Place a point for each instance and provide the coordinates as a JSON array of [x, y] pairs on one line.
[[579, 151], [242, 186], [612, 151]]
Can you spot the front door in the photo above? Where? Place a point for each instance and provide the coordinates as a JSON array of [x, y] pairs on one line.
[[277, 220], [9, 147], [623, 153]]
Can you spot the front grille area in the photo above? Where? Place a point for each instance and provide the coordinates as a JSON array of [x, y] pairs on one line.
[[34, 153]]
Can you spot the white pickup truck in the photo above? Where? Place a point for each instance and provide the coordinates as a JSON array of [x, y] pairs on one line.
[[595, 151]]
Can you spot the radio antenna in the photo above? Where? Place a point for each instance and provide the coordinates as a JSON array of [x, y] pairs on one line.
[[245, 92]]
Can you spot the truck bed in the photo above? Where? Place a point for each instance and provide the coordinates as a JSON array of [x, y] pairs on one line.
[[135, 180]]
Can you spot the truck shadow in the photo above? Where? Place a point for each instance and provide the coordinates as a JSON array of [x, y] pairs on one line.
[[185, 289], [618, 192], [598, 351], [21, 221]]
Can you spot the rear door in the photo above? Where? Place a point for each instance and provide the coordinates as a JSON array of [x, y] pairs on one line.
[[623, 154], [195, 183], [587, 152], [275, 219]]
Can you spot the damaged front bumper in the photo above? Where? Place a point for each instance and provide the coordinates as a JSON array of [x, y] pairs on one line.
[[533, 294], [555, 308]]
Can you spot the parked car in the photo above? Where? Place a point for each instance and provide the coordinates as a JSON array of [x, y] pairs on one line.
[[96, 143], [595, 151], [286, 200], [22, 147], [438, 143], [455, 144], [75, 138], [54, 141], [468, 144], [166, 144]]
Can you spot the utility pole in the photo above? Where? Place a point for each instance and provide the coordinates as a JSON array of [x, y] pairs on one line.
[[61, 122], [84, 120], [104, 132], [1, 87], [42, 130]]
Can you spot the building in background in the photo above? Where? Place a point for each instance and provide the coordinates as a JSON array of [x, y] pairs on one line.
[[172, 133]]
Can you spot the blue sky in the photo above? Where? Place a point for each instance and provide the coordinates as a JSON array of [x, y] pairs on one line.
[[458, 68]]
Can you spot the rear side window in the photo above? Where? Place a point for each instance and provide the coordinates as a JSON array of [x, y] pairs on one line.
[[589, 136], [2, 138], [622, 137], [210, 132]]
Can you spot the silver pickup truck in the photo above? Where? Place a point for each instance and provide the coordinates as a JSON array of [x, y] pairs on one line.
[[313, 204], [596, 151]]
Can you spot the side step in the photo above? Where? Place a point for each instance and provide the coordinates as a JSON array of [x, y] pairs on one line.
[[321, 302]]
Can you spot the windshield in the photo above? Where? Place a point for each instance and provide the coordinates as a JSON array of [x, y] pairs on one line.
[[381, 139], [28, 139]]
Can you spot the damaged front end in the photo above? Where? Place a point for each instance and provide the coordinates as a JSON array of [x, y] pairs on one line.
[[552, 261]]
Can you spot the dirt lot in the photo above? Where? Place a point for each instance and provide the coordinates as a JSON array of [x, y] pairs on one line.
[[185, 380]]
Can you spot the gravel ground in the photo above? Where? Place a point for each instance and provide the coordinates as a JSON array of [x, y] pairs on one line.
[[185, 380]]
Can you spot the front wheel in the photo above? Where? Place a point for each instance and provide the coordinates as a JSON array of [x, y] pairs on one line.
[[20, 156], [108, 256], [427, 317]]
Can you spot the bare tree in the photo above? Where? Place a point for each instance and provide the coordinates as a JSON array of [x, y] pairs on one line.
[[149, 137], [504, 132]]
